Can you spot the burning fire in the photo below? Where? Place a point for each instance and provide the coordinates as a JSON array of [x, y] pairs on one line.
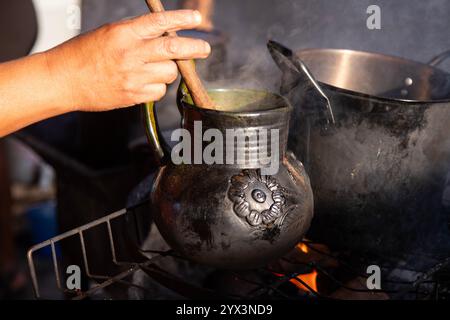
[[310, 279], [302, 247]]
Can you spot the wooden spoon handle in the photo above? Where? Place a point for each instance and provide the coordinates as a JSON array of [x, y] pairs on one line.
[[187, 69]]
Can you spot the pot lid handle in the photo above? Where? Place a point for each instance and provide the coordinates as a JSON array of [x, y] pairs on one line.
[[295, 71], [439, 58]]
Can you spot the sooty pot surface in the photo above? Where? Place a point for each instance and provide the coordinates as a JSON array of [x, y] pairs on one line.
[[378, 177], [233, 215]]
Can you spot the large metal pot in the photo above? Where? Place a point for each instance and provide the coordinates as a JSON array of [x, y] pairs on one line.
[[379, 172]]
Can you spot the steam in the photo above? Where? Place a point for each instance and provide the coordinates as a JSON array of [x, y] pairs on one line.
[[257, 72]]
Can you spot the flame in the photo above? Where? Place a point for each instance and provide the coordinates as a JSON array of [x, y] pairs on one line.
[[303, 247], [309, 278]]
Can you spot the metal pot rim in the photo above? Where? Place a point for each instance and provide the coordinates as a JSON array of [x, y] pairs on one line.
[[284, 105], [413, 63]]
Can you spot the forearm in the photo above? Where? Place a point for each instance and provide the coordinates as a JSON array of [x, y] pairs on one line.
[[30, 92]]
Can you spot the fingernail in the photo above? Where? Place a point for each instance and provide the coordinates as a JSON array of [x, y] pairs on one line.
[[197, 16], [207, 48]]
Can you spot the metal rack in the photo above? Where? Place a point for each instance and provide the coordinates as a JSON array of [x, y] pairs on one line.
[[426, 286]]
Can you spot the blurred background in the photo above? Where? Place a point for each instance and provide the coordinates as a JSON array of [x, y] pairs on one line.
[[67, 171], [414, 29]]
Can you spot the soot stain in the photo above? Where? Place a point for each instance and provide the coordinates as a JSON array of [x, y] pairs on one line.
[[203, 230], [271, 234]]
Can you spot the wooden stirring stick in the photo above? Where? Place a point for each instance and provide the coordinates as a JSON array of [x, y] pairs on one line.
[[187, 69]]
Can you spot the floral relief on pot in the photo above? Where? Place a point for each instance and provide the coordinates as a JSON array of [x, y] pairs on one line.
[[258, 199]]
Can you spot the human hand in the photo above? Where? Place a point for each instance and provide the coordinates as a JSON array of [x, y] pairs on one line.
[[124, 63]]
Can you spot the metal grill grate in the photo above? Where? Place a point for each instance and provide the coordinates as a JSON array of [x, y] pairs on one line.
[[429, 284]]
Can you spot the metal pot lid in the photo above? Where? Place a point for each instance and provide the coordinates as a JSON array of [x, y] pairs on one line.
[[377, 76]]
